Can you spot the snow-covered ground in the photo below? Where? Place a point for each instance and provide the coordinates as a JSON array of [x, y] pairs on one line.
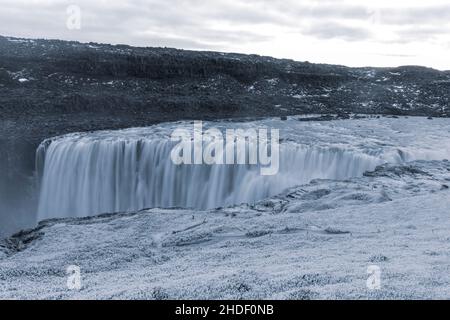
[[313, 241]]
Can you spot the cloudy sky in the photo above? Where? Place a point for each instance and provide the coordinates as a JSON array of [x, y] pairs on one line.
[[349, 32]]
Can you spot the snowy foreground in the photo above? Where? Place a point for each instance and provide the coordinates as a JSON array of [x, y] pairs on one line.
[[314, 241]]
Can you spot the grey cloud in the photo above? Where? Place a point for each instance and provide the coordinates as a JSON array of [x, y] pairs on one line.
[[176, 22], [337, 30], [415, 33], [434, 15], [187, 21], [334, 11]]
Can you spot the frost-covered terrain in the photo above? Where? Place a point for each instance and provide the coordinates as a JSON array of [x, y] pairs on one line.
[[313, 240]]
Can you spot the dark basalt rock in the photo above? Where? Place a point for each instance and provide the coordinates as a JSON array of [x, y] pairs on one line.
[[59, 86]]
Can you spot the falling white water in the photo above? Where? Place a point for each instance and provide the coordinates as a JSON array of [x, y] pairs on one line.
[[129, 170]]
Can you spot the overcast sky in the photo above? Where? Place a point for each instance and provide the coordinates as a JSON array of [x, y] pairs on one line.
[[349, 32]]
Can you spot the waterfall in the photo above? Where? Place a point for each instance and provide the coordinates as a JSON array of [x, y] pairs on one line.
[[84, 176]]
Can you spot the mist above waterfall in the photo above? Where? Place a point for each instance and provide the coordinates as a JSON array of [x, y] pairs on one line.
[[128, 170]]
